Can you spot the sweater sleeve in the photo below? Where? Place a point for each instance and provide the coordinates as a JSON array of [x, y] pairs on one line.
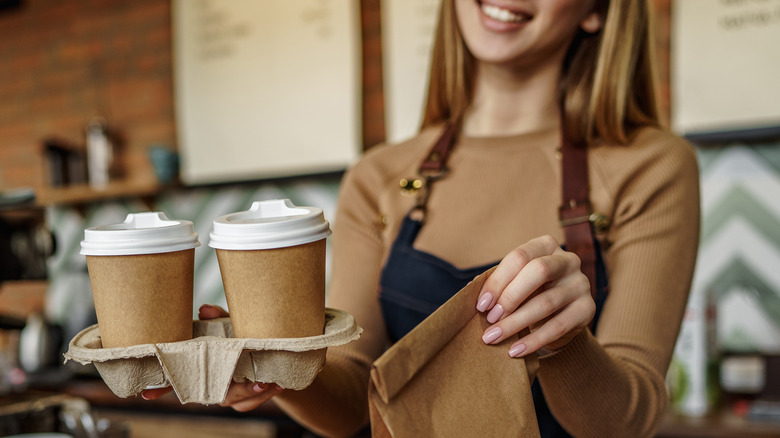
[[613, 384], [336, 404]]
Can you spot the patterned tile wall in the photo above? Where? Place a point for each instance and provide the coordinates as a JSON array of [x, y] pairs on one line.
[[734, 305], [739, 256]]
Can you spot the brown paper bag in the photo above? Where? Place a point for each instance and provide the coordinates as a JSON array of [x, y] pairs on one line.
[[441, 380]]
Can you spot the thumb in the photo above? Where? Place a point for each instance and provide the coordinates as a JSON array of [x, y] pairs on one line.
[[207, 311]]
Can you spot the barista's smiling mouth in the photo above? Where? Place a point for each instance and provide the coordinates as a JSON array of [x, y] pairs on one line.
[[503, 14]]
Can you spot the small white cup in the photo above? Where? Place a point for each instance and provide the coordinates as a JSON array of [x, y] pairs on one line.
[[272, 261], [141, 272]]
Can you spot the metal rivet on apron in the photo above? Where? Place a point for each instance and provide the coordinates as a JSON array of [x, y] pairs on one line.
[[410, 186], [600, 222]]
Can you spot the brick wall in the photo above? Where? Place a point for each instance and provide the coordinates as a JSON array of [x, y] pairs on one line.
[[65, 62], [373, 97]]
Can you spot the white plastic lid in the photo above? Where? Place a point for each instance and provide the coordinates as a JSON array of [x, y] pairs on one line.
[[140, 233], [269, 224]]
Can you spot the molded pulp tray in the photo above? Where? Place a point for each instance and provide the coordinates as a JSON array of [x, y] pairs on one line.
[[200, 369]]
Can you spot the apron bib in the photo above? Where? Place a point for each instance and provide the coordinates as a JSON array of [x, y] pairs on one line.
[[414, 283]]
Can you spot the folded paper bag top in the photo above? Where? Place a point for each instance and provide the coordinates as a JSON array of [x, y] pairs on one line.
[[140, 233], [441, 380], [269, 224]]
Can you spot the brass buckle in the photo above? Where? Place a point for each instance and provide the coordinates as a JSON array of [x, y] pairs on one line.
[[423, 190], [410, 186], [574, 220], [573, 203], [599, 221]]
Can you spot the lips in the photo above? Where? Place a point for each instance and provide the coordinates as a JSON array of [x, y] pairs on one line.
[[503, 14]]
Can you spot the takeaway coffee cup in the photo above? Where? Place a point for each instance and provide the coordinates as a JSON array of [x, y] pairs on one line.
[[141, 272], [272, 261]]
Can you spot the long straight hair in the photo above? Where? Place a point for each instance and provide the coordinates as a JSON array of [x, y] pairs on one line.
[[607, 85]]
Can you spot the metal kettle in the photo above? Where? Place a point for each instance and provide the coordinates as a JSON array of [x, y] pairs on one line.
[[39, 344]]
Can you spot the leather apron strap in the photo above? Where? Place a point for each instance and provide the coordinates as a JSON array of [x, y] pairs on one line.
[[436, 160], [575, 210]]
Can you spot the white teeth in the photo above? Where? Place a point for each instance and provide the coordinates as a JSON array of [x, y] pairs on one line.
[[501, 14]]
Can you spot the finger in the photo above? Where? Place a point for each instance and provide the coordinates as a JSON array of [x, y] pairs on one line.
[[533, 312], [538, 273], [207, 311], [253, 402], [556, 332], [509, 266], [238, 392], [154, 394], [540, 307]]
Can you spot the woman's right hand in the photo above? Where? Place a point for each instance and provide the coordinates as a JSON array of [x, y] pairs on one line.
[[240, 396], [248, 395]]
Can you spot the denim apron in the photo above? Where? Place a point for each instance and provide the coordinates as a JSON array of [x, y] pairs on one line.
[[414, 283]]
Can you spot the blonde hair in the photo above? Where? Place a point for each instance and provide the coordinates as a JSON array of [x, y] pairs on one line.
[[608, 84]]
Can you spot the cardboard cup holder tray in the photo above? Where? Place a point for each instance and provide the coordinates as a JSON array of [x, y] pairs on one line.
[[200, 370]]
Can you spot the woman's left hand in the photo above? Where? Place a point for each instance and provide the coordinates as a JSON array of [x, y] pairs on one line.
[[540, 286]]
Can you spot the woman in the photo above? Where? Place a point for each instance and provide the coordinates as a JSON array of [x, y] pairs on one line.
[[511, 82]]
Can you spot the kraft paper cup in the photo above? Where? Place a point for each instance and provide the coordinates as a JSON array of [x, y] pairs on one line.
[[141, 273], [272, 261]]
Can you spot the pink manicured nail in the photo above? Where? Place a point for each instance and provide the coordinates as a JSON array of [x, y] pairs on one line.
[[495, 313], [491, 335], [517, 350], [484, 301], [257, 387]]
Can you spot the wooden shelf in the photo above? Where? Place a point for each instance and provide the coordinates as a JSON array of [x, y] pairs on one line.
[[79, 194], [721, 424], [21, 298]]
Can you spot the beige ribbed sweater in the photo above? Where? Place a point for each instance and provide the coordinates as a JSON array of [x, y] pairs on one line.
[[501, 192]]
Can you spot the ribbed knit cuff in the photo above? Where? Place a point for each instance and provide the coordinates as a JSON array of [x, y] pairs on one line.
[[574, 352]]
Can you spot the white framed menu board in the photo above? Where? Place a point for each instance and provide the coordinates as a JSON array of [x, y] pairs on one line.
[[265, 89], [725, 67]]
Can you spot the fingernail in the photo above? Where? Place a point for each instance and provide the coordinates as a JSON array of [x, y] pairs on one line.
[[495, 313], [257, 387], [491, 335], [143, 396], [484, 301], [517, 350]]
